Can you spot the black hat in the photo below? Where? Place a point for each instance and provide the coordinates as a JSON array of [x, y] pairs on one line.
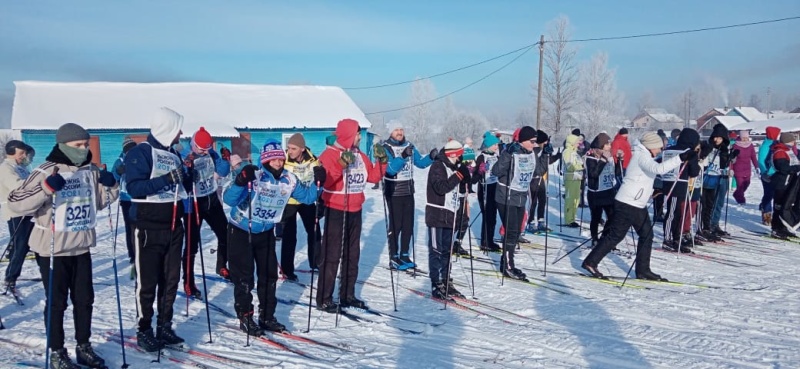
[[623, 131], [576, 132], [527, 133], [13, 145], [541, 137]]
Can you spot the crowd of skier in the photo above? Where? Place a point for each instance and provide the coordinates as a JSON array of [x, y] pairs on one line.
[[166, 191]]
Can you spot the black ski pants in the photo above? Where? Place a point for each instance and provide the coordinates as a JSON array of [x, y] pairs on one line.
[[401, 224], [677, 211], [489, 210], [625, 216], [341, 240], [20, 230], [72, 278], [244, 252], [308, 214], [538, 199], [597, 214], [709, 200], [129, 237], [512, 217], [158, 258], [212, 213], [440, 243]]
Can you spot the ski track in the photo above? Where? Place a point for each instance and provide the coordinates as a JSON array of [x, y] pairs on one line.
[[595, 325]]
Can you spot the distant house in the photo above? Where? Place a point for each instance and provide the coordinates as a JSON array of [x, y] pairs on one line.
[[729, 121], [657, 118], [797, 110], [749, 114], [240, 117], [702, 121]]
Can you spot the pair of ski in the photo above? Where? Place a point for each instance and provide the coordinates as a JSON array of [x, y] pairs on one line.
[[15, 294], [615, 280]]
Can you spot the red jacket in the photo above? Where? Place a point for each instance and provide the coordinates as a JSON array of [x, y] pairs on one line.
[[621, 143]]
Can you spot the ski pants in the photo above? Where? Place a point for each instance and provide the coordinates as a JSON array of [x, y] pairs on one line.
[[742, 184], [129, 238], [691, 214], [158, 259], [573, 192], [440, 242], [72, 278], [308, 215], [341, 240], [658, 202], [246, 250], [766, 199], [401, 223], [676, 212], [781, 206], [20, 230], [709, 198], [617, 227], [210, 210], [512, 217], [538, 199], [597, 214], [488, 207], [719, 203]]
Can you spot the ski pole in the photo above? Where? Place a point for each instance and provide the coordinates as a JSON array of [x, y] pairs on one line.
[[314, 267], [571, 251], [635, 254], [547, 208], [202, 263], [471, 262], [505, 254], [560, 208], [727, 201], [50, 274], [116, 277], [388, 231], [249, 234], [449, 255], [346, 273], [188, 278]]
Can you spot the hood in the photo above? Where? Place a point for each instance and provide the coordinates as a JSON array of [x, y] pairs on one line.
[[719, 130], [601, 140], [166, 126], [346, 131], [773, 133], [688, 138], [705, 150], [572, 140]]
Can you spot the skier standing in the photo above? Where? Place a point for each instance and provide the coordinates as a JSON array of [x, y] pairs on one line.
[[487, 186], [13, 173], [544, 157], [70, 187], [786, 167], [715, 184], [676, 185], [118, 170], [743, 165], [600, 170], [630, 206], [766, 170], [573, 176]]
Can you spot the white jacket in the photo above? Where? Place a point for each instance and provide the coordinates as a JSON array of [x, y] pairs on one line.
[[11, 177], [637, 186]]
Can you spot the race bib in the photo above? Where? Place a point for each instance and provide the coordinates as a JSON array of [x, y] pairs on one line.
[[304, 172], [356, 176], [269, 200], [75, 203], [490, 161], [524, 164], [204, 180], [451, 199], [672, 175], [164, 162], [407, 173], [607, 177]]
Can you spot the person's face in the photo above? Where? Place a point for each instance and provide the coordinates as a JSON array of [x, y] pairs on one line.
[[655, 152], [717, 140], [528, 144], [607, 147], [357, 140], [294, 151], [79, 144], [20, 156], [276, 163], [199, 150], [398, 134], [493, 148]]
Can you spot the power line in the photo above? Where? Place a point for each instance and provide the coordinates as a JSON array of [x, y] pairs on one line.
[[460, 89]]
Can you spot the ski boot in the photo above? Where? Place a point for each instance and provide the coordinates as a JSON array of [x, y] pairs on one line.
[[650, 276], [396, 264], [452, 291], [515, 273], [147, 341], [59, 359], [328, 306], [354, 303], [85, 355], [669, 245], [592, 270], [439, 291], [541, 228], [458, 250], [407, 263], [248, 325], [530, 228], [167, 336], [269, 323]]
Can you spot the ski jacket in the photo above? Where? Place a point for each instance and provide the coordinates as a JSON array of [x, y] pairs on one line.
[[621, 143], [442, 193], [601, 179], [302, 169], [543, 161], [764, 150], [203, 169], [400, 181], [785, 164], [677, 181], [483, 171], [514, 171], [258, 210], [637, 185], [572, 160], [720, 157], [746, 160], [152, 196], [12, 175], [77, 205], [348, 198]]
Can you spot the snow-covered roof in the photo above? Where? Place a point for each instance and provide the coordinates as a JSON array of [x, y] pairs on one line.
[[722, 111], [727, 120], [666, 118], [784, 115], [218, 107], [749, 113], [760, 126], [652, 111]]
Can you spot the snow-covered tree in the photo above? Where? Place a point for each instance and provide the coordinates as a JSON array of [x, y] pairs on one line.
[[600, 105], [561, 77], [420, 120]]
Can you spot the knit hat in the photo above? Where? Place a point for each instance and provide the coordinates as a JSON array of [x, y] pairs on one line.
[[541, 137], [773, 133], [298, 140], [13, 145], [576, 131], [393, 124], [69, 132], [453, 149], [235, 160], [469, 154], [489, 139], [346, 131], [661, 133], [166, 126], [744, 134], [330, 140], [787, 137], [651, 140], [675, 133], [128, 143], [202, 139], [526, 133], [271, 150], [624, 131], [601, 140]]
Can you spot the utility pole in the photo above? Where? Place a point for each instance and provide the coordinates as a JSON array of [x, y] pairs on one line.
[[539, 91], [769, 102]]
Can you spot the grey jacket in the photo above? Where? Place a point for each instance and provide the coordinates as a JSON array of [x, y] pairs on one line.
[[505, 173]]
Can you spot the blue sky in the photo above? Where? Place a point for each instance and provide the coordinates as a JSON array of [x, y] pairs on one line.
[[358, 43]]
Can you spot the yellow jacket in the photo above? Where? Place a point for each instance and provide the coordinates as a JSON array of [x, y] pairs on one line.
[[303, 170]]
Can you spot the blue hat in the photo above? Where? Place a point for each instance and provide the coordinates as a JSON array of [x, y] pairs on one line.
[[490, 139], [272, 150]]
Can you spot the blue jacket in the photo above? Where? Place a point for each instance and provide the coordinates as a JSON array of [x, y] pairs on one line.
[[123, 195], [221, 167], [763, 154], [238, 198], [396, 165]]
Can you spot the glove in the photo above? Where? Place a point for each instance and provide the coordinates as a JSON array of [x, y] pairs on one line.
[[463, 170], [319, 174], [247, 175], [433, 154], [758, 171], [409, 151], [225, 153], [54, 182], [734, 154], [120, 169], [348, 157], [174, 176], [482, 169], [548, 149], [620, 154], [106, 178], [688, 155], [380, 153]]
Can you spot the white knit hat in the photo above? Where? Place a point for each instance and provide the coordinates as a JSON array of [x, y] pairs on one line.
[[453, 149], [166, 125], [652, 140], [394, 124]]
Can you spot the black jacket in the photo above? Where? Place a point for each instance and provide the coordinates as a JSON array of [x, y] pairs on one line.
[[688, 140], [594, 168], [542, 161], [439, 185], [504, 173]]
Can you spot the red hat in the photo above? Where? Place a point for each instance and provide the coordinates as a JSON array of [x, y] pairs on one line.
[[346, 131], [202, 139]]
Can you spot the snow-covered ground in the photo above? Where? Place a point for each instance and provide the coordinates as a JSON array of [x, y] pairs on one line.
[[738, 308]]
